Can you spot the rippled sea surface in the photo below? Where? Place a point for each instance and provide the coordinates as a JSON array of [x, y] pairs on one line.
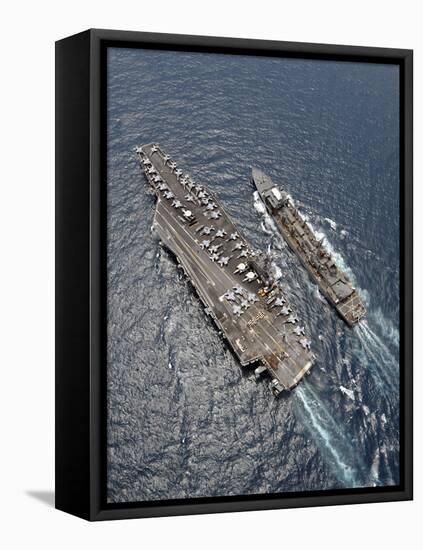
[[184, 420]]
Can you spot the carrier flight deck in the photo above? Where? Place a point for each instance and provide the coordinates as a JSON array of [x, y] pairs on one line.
[[233, 281]]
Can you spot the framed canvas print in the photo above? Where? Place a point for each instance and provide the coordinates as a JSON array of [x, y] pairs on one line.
[[234, 274]]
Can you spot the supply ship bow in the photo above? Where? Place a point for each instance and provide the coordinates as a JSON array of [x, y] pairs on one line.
[[331, 280], [233, 282]]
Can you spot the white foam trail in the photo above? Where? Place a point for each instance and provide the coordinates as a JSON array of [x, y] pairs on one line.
[[328, 431], [267, 231], [268, 225], [374, 470], [347, 392], [387, 327], [383, 364], [258, 203], [312, 397], [384, 453], [383, 380], [332, 224], [377, 342], [318, 294], [365, 296], [372, 340]]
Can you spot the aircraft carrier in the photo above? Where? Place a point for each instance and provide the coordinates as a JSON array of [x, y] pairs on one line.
[[232, 280], [331, 280]]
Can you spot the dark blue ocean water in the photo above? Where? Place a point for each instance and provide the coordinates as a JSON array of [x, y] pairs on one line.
[[184, 420]]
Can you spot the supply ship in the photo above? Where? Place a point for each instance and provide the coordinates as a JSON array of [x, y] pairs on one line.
[[333, 283], [234, 282]]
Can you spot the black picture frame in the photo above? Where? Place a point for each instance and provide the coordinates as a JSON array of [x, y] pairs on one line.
[[81, 273]]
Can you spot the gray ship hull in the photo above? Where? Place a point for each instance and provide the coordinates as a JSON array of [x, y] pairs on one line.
[[333, 283], [250, 311]]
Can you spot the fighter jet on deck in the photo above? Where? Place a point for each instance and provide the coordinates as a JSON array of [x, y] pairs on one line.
[[223, 260], [299, 330]]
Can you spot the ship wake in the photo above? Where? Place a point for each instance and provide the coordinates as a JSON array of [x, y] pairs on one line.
[[384, 363], [330, 438]]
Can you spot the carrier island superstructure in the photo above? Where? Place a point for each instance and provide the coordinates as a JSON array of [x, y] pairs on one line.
[[331, 280], [233, 281]]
